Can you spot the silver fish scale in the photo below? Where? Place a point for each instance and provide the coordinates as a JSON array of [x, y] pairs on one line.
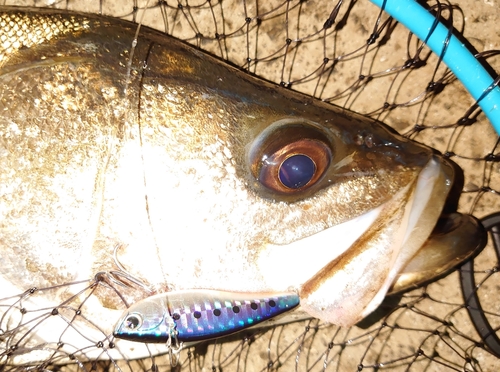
[[17, 30]]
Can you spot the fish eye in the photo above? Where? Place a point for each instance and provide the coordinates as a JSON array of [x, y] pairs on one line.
[[133, 321], [290, 156]]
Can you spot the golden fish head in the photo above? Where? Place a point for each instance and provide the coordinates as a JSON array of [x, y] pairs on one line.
[[205, 176]]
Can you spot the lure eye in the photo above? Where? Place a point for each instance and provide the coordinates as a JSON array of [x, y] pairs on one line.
[[290, 157], [133, 321]]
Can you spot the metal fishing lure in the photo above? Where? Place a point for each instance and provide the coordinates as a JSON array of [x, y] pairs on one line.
[[198, 315]]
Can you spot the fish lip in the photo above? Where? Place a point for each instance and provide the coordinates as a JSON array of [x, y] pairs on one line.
[[454, 223], [448, 166]]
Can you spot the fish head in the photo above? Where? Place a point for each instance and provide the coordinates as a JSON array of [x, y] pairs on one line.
[[285, 190], [203, 175]]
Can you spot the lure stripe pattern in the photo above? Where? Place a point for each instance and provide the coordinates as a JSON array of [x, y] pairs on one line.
[[202, 320], [199, 315]]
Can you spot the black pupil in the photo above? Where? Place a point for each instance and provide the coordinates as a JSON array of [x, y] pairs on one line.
[[216, 312], [297, 171], [133, 322], [272, 303]]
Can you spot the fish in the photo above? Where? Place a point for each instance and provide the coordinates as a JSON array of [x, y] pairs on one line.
[[206, 177]]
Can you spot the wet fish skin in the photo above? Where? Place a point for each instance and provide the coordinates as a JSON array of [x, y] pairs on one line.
[[163, 158]]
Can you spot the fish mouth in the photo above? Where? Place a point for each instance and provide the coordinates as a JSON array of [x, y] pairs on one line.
[[375, 254], [455, 238]]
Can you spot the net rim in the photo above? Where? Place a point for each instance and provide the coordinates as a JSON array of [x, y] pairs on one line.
[[459, 59]]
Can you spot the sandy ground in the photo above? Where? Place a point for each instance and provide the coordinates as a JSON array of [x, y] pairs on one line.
[[433, 332]]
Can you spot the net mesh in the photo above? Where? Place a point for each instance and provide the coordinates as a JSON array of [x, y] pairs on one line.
[[353, 55]]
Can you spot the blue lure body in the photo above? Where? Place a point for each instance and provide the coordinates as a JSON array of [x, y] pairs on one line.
[[198, 315]]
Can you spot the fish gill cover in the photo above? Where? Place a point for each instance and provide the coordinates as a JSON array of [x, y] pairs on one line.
[[349, 54]]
